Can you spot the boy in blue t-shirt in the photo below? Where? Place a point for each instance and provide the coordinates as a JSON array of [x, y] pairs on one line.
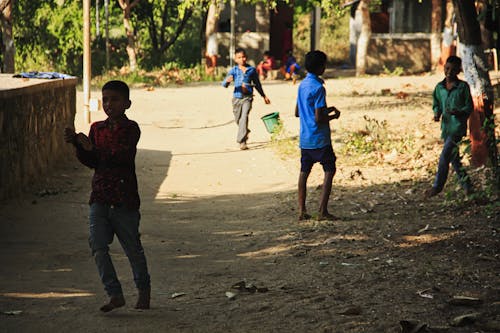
[[315, 141], [245, 78]]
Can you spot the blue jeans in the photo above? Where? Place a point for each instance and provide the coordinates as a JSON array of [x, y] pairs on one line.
[[450, 155], [105, 222]]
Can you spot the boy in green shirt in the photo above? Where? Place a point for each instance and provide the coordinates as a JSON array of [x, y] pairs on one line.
[[452, 102]]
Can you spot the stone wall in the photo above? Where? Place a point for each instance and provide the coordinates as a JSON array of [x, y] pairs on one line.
[[409, 52], [33, 115]]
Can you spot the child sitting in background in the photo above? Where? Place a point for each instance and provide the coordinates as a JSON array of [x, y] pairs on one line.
[[268, 63], [290, 67]]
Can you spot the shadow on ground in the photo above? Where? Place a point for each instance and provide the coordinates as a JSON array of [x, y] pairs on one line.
[[392, 256]]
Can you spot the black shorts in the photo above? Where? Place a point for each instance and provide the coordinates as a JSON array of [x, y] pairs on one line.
[[325, 156]]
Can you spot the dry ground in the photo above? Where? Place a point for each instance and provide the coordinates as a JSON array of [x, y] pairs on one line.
[[214, 217]]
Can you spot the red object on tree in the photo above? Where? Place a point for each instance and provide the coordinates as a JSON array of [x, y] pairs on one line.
[[481, 121]]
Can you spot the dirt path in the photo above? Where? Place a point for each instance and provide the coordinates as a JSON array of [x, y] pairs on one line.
[[213, 216]]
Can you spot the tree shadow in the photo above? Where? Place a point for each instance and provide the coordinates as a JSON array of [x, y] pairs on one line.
[[389, 247]]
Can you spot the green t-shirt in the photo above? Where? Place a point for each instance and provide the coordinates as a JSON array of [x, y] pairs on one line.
[[457, 98]]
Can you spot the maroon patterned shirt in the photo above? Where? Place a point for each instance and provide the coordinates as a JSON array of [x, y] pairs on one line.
[[113, 159]]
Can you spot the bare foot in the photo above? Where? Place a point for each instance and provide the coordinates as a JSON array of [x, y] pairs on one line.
[[143, 299], [304, 216], [431, 192], [114, 302], [327, 216]]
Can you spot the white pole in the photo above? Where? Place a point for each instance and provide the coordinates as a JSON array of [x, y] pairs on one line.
[[232, 34], [86, 60]]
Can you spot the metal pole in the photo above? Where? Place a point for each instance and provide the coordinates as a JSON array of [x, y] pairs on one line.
[[86, 60], [106, 13], [232, 34]]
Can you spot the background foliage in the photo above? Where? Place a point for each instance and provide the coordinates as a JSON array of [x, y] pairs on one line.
[[48, 35]]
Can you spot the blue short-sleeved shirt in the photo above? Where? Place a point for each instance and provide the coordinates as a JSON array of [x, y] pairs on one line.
[[250, 78], [312, 96]]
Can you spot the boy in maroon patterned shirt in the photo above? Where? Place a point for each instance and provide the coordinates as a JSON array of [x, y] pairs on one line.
[[110, 150]]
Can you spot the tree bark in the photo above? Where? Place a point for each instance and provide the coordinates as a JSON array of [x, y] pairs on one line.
[[447, 46], [481, 121], [364, 38], [212, 19], [4, 4], [126, 7], [211, 43], [7, 36], [436, 33]]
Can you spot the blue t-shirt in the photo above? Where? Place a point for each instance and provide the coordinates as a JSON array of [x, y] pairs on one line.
[[312, 96], [250, 78]]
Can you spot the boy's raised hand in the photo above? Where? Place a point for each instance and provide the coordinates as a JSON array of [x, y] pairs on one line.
[[71, 137], [84, 141]]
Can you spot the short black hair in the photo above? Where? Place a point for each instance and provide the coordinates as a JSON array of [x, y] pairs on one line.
[[240, 50], [455, 61], [315, 60], [119, 86]]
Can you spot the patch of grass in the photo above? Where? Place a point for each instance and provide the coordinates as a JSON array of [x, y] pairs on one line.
[[283, 143], [170, 74], [397, 71], [375, 140]]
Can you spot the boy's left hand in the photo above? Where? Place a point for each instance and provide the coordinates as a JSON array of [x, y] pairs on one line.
[[335, 110], [267, 100], [84, 141]]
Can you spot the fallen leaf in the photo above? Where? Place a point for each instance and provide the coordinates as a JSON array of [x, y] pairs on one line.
[[464, 300], [465, 319], [175, 295], [352, 311], [12, 312], [230, 295]]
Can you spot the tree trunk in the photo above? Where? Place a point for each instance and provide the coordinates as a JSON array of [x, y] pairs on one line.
[[212, 19], [447, 46], [8, 37], [481, 121], [436, 33], [211, 44], [131, 51], [364, 37]]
